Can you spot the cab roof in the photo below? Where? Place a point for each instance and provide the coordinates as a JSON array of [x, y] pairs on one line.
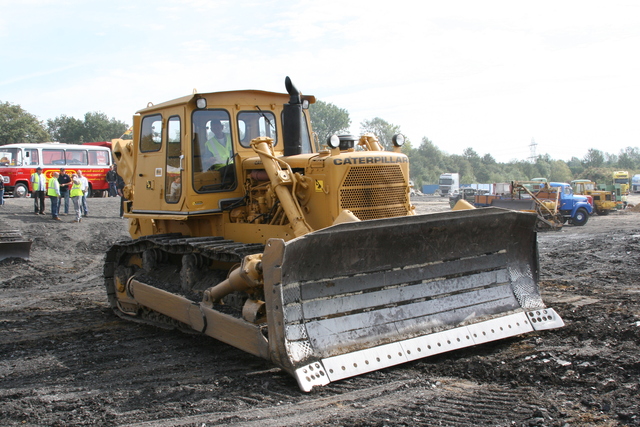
[[225, 98]]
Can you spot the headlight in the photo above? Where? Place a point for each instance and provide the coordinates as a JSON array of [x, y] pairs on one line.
[[398, 140], [333, 141], [201, 103]]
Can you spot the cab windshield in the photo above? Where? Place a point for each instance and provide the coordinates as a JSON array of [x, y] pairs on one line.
[[213, 154], [10, 157]]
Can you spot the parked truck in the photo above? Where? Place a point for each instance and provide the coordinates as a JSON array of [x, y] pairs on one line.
[[622, 178], [449, 183], [635, 183]]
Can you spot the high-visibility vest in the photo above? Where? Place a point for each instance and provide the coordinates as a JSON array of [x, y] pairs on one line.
[[76, 189], [39, 182], [220, 152], [54, 187]]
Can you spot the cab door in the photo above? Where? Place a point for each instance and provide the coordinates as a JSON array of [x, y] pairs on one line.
[[149, 174], [174, 164], [567, 201], [159, 170]]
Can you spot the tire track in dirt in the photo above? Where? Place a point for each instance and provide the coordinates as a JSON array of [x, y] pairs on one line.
[[451, 402]]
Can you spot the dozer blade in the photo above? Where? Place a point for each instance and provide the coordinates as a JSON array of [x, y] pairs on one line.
[[12, 244], [15, 249], [362, 296]]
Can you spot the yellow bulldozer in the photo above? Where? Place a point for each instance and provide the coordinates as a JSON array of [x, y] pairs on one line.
[[604, 201], [244, 228]]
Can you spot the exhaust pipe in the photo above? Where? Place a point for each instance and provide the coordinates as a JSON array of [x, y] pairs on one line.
[[292, 118]]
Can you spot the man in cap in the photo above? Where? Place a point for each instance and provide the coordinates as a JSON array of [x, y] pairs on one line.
[[38, 189], [112, 180], [65, 183]]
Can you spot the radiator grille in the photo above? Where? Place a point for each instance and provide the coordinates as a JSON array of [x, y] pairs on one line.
[[375, 192]]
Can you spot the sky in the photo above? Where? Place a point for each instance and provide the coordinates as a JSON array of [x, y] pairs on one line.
[[506, 78]]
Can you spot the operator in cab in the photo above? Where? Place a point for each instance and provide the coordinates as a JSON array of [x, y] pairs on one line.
[[219, 153], [219, 146]]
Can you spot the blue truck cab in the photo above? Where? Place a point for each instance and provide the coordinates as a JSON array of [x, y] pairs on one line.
[[573, 207]]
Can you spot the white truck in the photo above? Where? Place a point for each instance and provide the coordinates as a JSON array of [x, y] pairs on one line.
[[449, 183], [635, 183]]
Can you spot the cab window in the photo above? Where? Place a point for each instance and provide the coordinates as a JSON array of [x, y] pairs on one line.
[[151, 133], [254, 124], [306, 140], [173, 175], [10, 157], [213, 154]]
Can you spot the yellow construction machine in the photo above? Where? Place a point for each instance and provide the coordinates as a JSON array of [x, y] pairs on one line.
[[603, 201], [309, 256]]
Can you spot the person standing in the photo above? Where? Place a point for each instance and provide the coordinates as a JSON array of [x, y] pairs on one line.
[[54, 195], [38, 188], [85, 193], [1, 190], [65, 182], [76, 196], [121, 185], [112, 180]]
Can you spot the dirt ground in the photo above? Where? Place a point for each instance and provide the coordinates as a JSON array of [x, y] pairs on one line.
[[66, 359]]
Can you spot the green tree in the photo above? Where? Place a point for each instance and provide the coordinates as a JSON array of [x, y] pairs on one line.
[[610, 160], [629, 158], [383, 130], [599, 175], [95, 127], [426, 163], [543, 166], [488, 159], [472, 157], [576, 166], [488, 170], [19, 126], [327, 120], [430, 152], [559, 172], [464, 167], [66, 129], [593, 159]]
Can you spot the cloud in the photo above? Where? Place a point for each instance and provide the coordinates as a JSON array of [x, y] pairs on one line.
[[488, 75]]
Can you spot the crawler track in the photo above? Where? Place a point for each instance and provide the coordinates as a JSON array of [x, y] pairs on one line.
[[170, 260]]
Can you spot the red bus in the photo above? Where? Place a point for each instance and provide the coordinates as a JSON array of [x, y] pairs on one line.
[[19, 161]]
